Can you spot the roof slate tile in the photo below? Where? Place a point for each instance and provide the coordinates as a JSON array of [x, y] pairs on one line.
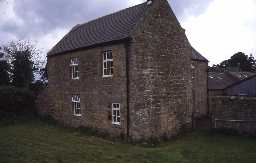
[[113, 27]]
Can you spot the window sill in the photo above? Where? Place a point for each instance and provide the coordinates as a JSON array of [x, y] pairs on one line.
[[75, 78], [116, 124], [107, 76], [77, 115]]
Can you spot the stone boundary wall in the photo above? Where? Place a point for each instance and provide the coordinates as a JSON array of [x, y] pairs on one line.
[[234, 113], [44, 103]]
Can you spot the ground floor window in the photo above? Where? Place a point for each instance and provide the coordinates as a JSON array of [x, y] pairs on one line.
[[116, 117], [76, 105]]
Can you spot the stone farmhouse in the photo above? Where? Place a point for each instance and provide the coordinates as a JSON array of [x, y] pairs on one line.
[[132, 73]]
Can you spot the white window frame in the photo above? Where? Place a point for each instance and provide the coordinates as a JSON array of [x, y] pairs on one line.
[[74, 65], [76, 105], [115, 115], [106, 60]]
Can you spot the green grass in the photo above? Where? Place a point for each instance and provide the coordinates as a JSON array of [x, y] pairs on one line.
[[35, 141]]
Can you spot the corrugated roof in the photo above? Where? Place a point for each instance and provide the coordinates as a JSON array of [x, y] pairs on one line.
[[222, 80], [242, 75], [113, 27], [241, 81]]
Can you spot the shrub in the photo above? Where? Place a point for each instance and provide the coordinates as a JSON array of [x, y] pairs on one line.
[[16, 101], [37, 87]]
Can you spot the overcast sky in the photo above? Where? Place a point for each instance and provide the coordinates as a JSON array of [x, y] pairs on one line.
[[216, 28]]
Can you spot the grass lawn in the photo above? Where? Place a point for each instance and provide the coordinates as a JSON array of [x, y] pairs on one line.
[[35, 141]]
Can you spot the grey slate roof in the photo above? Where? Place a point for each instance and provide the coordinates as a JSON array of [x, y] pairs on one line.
[[197, 56], [113, 27]]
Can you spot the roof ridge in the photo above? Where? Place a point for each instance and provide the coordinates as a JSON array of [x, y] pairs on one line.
[[145, 13]]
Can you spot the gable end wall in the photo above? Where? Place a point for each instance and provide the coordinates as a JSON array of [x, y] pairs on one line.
[[199, 88], [160, 75]]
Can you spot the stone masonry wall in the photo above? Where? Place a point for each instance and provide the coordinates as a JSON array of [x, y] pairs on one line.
[[199, 88], [97, 93], [159, 81], [216, 92], [236, 113], [44, 103], [160, 75]]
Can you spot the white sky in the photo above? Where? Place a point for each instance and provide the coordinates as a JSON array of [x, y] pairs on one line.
[[226, 27]]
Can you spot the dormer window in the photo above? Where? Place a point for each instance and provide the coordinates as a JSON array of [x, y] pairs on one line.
[[108, 63], [74, 65]]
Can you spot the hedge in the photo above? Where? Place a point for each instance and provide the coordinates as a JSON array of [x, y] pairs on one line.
[[16, 101]]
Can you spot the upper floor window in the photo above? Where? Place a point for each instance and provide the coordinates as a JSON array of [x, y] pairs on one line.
[[107, 64], [116, 116], [76, 106], [74, 64]]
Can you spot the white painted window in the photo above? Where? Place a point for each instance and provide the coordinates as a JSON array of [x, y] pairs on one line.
[[116, 116], [74, 65], [76, 106], [108, 64]]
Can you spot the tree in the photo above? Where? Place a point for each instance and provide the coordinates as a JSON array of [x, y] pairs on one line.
[[252, 62], [44, 75], [4, 69], [41, 71], [241, 61], [23, 55], [238, 62], [4, 73]]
